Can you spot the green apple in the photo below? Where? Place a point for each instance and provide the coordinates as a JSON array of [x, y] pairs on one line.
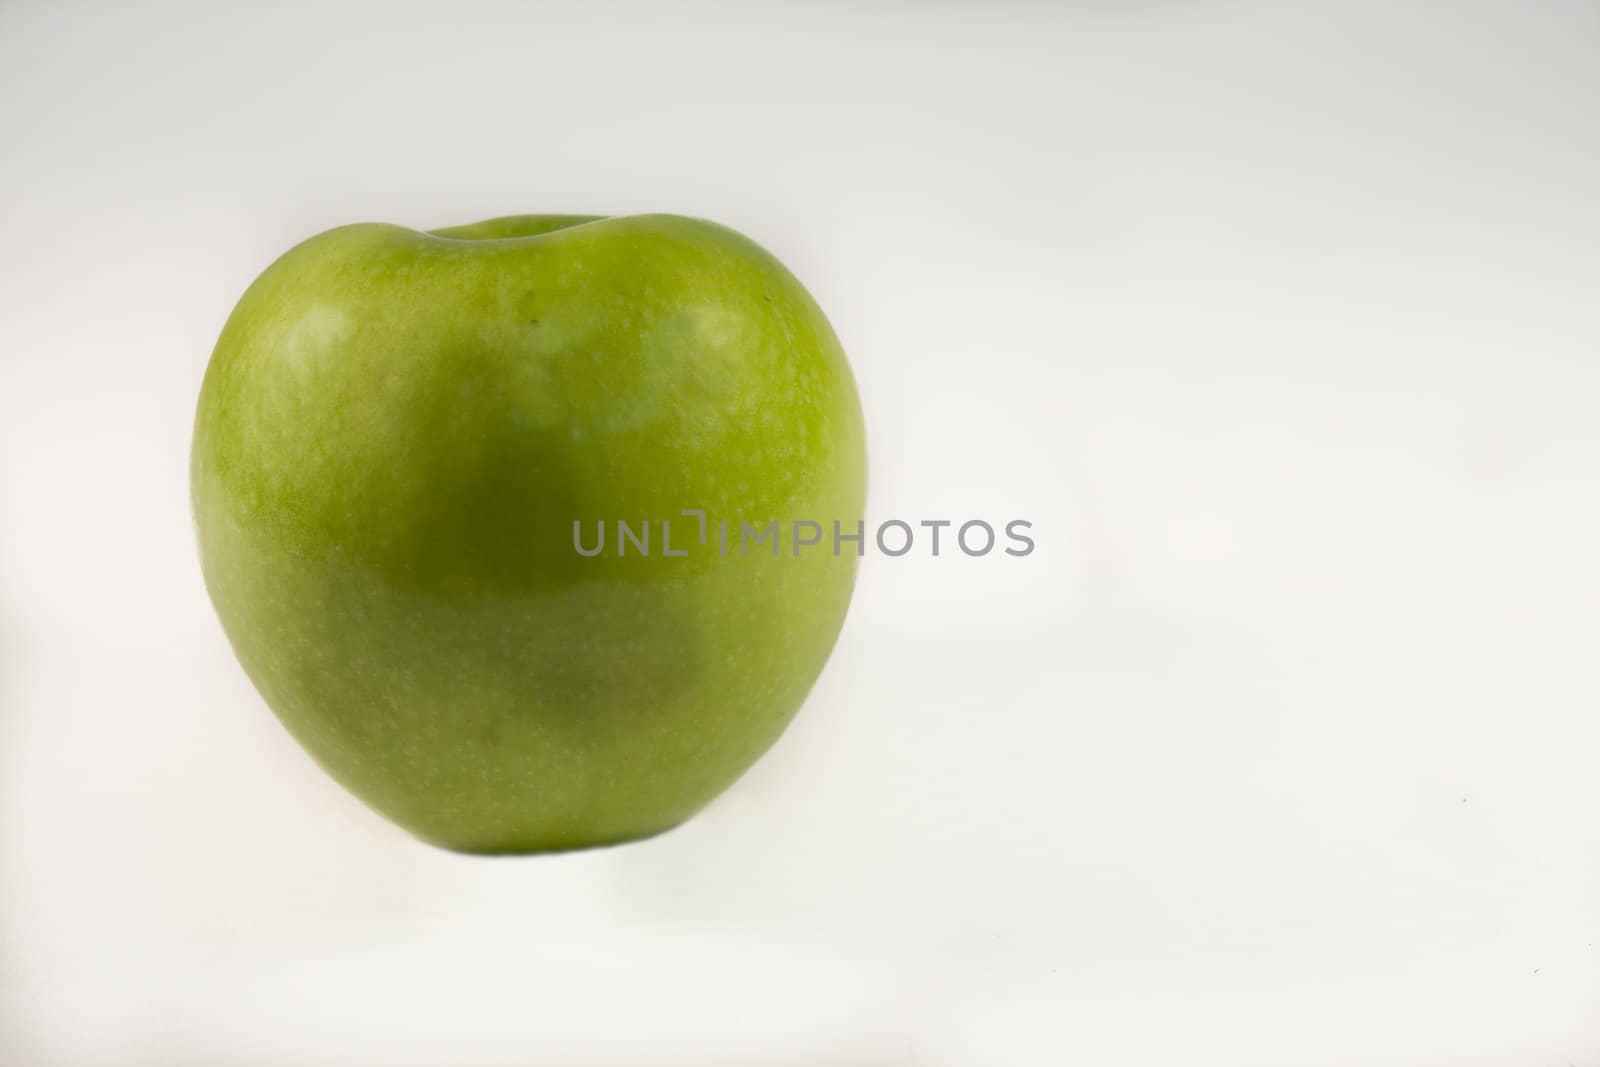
[[398, 431]]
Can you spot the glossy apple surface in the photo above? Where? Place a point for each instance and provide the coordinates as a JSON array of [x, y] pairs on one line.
[[396, 433]]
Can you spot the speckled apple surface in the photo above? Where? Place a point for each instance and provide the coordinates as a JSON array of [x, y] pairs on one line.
[[394, 437]]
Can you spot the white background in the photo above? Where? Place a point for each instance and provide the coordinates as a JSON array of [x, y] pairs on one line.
[[1279, 321]]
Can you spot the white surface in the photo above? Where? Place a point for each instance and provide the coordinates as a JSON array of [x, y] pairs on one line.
[[1278, 320]]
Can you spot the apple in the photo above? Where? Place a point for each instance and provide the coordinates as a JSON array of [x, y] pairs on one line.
[[403, 438]]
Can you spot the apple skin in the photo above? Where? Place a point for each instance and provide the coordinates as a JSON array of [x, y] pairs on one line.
[[395, 434]]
